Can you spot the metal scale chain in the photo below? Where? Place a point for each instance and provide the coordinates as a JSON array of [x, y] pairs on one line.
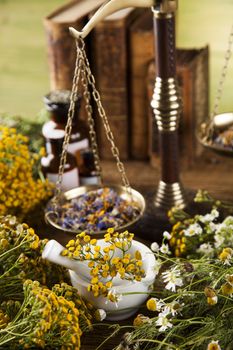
[[89, 110], [82, 69], [221, 82], [103, 116], [68, 129]]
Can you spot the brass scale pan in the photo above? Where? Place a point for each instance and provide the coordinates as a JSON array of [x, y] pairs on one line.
[[132, 196], [220, 123]]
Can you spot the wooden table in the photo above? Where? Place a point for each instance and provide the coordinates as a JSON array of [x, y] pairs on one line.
[[213, 174]]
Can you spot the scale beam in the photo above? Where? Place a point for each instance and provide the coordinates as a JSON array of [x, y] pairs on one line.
[[109, 7]]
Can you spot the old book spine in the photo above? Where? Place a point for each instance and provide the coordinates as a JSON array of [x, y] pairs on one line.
[[110, 59], [194, 82], [61, 45], [141, 52], [185, 80], [61, 55], [201, 97], [61, 52]]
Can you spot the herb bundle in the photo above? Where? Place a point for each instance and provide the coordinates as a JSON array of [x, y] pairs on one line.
[[20, 189], [191, 305], [44, 313]]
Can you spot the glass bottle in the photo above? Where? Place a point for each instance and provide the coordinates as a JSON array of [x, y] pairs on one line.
[[50, 164], [57, 104]]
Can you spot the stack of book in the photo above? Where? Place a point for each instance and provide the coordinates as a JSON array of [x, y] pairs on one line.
[[121, 52]]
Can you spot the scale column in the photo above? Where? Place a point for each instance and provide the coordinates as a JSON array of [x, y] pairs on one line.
[[166, 104]]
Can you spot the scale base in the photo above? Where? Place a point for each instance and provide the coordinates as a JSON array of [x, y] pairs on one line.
[[169, 195]]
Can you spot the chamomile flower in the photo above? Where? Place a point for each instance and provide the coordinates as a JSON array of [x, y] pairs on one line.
[[229, 279], [163, 321], [206, 249], [213, 345], [212, 300], [192, 230], [100, 314], [167, 235], [209, 217], [226, 256], [154, 247], [227, 289], [141, 320], [114, 297], [220, 228], [165, 249], [219, 239], [173, 279], [213, 226], [173, 308], [154, 304], [157, 266]]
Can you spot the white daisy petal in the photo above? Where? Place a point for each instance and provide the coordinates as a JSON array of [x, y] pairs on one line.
[[209, 217], [167, 235], [163, 322], [154, 247], [192, 230], [101, 314], [172, 278], [165, 249], [206, 249]]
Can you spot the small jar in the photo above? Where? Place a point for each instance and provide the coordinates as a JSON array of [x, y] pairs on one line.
[[50, 165], [86, 165], [57, 104]]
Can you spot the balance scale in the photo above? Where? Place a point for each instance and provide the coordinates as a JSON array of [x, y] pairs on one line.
[[166, 104]]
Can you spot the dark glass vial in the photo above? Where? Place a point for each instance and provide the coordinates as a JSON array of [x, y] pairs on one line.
[[57, 104], [50, 165]]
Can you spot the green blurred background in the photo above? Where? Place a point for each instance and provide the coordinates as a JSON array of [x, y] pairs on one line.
[[23, 61]]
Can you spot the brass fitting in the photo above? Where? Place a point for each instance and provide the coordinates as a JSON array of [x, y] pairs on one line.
[[165, 6], [166, 103]]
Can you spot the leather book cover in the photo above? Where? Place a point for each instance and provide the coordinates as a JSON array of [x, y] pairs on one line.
[[61, 46], [141, 52]]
